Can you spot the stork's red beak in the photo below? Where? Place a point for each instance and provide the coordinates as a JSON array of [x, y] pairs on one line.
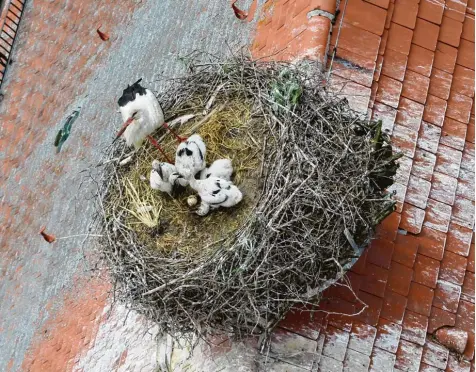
[[124, 127]]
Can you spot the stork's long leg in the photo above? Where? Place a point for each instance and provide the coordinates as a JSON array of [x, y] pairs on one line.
[[156, 144], [180, 139]]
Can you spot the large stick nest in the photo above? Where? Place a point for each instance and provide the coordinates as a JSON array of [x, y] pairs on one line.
[[322, 176]]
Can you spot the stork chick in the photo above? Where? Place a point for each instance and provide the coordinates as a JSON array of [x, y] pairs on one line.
[[214, 193], [189, 159], [159, 176], [142, 116], [220, 168]]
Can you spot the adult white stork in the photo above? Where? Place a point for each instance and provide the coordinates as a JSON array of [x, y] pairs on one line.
[[214, 193], [142, 116]]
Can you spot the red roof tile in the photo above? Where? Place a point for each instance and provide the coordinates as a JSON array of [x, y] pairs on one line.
[[432, 243], [358, 41], [447, 296], [445, 57], [448, 160], [440, 83], [435, 109], [426, 34], [466, 184], [412, 218], [388, 335], [405, 13], [408, 356], [455, 9], [435, 355], [426, 271], [431, 10], [453, 134], [468, 28], [414, 326], [410, 113], [459, 107], [463, 212], [404, 139], [440, 318], [371, 314], [380, 252], [420, 299], [393, 308], [429, 137], [450, 31], [443, 188], [380, 3], [365, 16], [438, 215], [399, 38], [394, 65], [375, 280], [466, 54], [423, 164], [420, 60], [418, 191], [463, 81]]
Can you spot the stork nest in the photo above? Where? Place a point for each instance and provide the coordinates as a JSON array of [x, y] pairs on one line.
[[315, 177]]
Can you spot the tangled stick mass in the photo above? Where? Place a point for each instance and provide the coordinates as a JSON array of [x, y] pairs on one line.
[[322, 181]]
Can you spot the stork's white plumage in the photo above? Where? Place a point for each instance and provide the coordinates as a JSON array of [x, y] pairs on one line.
[[142, 116], [160, 175], [190, 156], [221, 168], [214, 193]]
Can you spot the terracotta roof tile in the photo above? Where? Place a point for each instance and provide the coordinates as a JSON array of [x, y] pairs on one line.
[[463, 212], [443, 188], [405, 251], [448, 161], [450, 31], [468, 156], [378, 68], [420, 299], [358, 41], [435, 355], [399, 38], [393, 309], [463, 81], [399, 278], [435, 109], [459, 240], [418, 191], [375, 280], [412, 218], [362, 338], [404, 139], [415, 87], [470, 7], [440, 84], [388, 335], [466, 54], [388, 228], [365, 16], [380, 252], [447, 296], [385, 113], [389, 91], [440, 318], [437, 216], [466, 184], [383, 43], [471, 255], [381, 3], [359, 266], [371, 314], [391, 9], [398, 191], [423, 164], [445, 57], [468, 28], [429, 137], [414, 325], [453, 134], [431, 10], [456, 365], [420, 60], [394, 65], [408, 356], [465, 316], [470, 134], [405, 13], [453, 268], [455, 9], [432, 243], [353, 67], [426, 271], [355, 361], [468, 284], [459, 107], [426, 34], [410, 113]]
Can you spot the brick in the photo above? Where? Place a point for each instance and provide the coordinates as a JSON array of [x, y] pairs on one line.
[[394, 64], [405, 13], [355, 361], [371, 314], [453, 134], [412, 218], [458, 240], [431, 10], [448, 161], [466, 54], [408, 356], [463, 81], [399, 38], [335, 344], [399, 278], [414, 328], [445, 57], [385, 113], [375, 280], [418, 191], [432, 243], [381, 360], [362, 338], [468, 284], [443, 188], [388, 335], [466, 184], [426, 271], [440, 84], [468, 28], [393, 307], [440, 318], [423, 164], [389, 91], [358, 41], [425, 34], [388, 227], [435, 109], [438, 215], [429, 137], [455, 9], [420, 299], [380, 252], [404, 139], [459, 107], [463, 212], [450, 31], [447, 296], [435, 355], [365, 16]]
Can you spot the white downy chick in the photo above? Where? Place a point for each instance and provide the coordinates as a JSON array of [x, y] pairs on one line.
[[220, 168], [190, 156], [214, 193], [160, 176]]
